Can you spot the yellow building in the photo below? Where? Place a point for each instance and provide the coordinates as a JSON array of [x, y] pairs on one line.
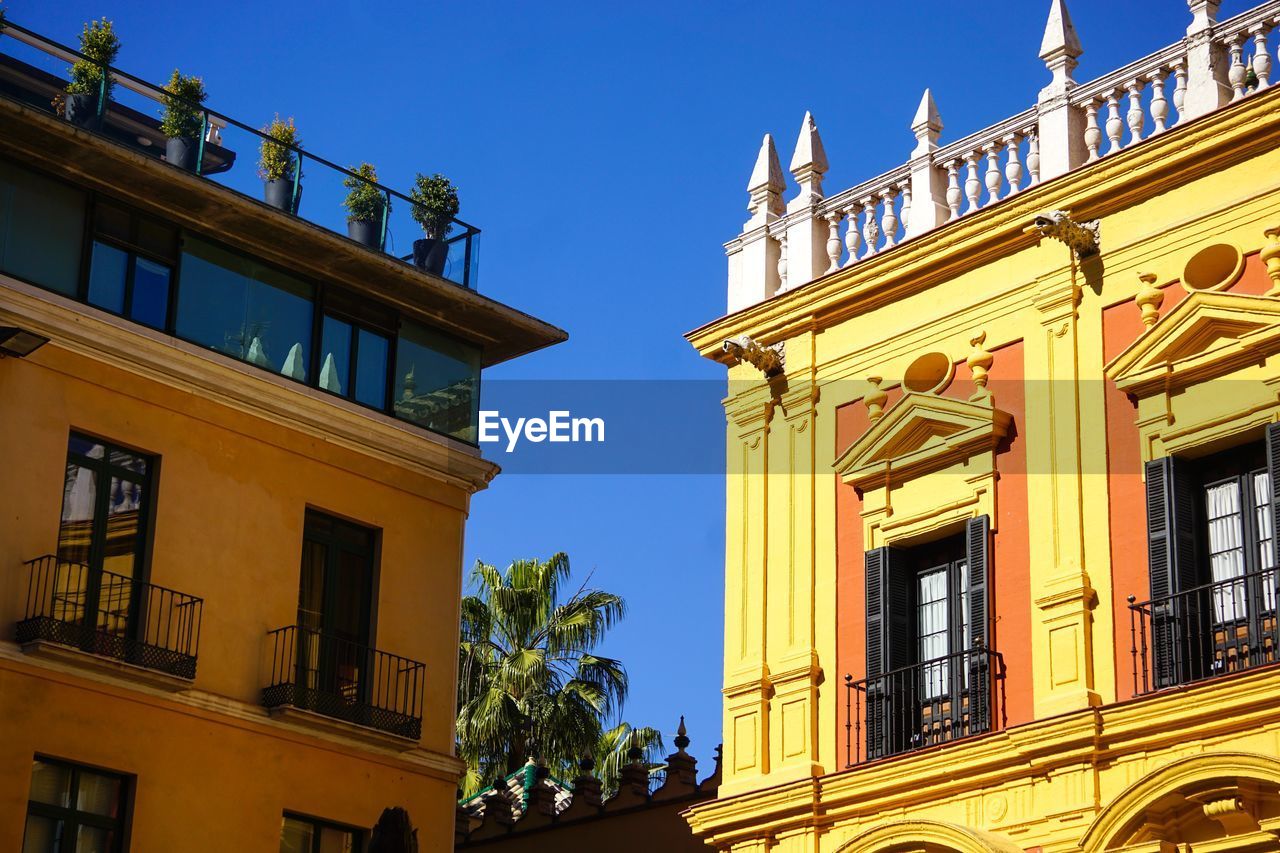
[[1003, 446], [238, 451]]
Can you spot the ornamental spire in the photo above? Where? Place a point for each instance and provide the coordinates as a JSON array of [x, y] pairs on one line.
[[766, 184], [1060, 49], [809, 162]]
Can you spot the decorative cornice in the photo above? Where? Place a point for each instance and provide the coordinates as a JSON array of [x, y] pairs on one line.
[[90, 333]]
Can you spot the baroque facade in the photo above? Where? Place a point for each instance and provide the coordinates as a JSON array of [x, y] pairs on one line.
[[238, 454], [1003, 442]]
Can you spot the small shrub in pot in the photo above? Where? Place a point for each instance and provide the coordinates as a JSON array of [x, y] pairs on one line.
[[366, 205], [435, 203], [183, 120], [91, 84], [278, 165]]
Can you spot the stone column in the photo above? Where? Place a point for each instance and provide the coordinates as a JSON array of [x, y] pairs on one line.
[[1207, 86], [807, 230], [753, 256], [1060, 126]]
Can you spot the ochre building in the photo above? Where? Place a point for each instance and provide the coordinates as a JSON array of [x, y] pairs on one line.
[[238, 450], [1003, 443]]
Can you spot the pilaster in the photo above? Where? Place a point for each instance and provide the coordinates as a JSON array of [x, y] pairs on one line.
[[807, 230], [1062, 593], [928, 183], [1207, 86], [1060, 126]]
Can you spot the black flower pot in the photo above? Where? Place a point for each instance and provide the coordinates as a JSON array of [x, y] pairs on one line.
[[82, 111], [430, 254], [366, 231], [181, 151], [279, 194]]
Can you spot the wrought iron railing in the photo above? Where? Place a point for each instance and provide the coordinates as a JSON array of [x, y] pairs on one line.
[[1208, 631], [108, 614], [33, 71], [338, 678], [924, 704]]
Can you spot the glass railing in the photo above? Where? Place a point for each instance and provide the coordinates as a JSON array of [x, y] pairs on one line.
[[34, 71]]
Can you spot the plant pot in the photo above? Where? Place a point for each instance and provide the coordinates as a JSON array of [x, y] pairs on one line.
[[82, 111], [430, 254], [366, 231], [279, 194], [181, 152]]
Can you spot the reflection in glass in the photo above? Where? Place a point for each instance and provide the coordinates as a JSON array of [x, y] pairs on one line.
[[372, 350], [335, 362], [150, 301], [109, 267], [296, 836], [41, 229], [245, 309], [43, 835], [50, 783], [437, 382]]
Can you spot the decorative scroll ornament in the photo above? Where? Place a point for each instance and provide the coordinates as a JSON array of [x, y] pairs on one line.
[[770, 360]]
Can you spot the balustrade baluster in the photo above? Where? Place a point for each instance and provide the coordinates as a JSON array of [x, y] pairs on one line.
[[1092, 133], [1261, 59], [972, 185], [889, 219], [1033, 158], [852, 236], [906, 204], [833, 241], [1236, 76], [1115, 127], [994, 179], [1159, 106], [870, 230], [1179, 88], [1136, 118], [954, 196], [782, 262], [1013, 165]]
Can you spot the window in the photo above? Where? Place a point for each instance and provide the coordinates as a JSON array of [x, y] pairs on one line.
[[131, 265], [74, 809], [106, 497], [343, 345], [245, 309], [926, 613], [1211, 535], [41, 229], [437, 382], [335, 597], [308, 835]]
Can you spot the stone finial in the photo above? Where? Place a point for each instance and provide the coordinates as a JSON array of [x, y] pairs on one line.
[[808, 163], [979, 362], [682, 736], [875, 399], [1204, 14], [1270, 256], [1060, 48], [1149, 299], [766, 184], [927, 125], [682, 768], [586, 787]]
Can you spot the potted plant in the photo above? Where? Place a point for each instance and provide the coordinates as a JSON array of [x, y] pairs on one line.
[[366, 205], [91, 83], [435, 202], [278, 165], [183, 120]]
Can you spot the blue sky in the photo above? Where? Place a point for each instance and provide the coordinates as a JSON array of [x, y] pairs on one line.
[[604, 148]]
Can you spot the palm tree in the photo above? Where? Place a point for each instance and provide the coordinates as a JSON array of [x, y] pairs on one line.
[[611, 752], [528, 680]]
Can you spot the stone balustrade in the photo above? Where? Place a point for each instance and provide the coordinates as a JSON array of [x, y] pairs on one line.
[[786, 245]]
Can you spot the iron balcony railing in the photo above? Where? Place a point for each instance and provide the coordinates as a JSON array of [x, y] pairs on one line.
[[33, 71], [347, 681], [924, 704], [1211, 630], [112, 615]]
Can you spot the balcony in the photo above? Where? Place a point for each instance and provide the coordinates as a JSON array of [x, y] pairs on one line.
[[1206, 632], [924, 704], [111, 617], [33, 72], [335, 678]]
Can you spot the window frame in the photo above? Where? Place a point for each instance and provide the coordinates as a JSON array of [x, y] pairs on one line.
[[133, 251], [360, 834], [72, 818]]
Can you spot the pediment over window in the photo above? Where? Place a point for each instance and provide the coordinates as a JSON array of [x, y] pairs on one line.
[[1205, 336], [921, 433]]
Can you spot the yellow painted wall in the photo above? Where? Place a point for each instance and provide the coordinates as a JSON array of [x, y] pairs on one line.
[[232, 492]]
